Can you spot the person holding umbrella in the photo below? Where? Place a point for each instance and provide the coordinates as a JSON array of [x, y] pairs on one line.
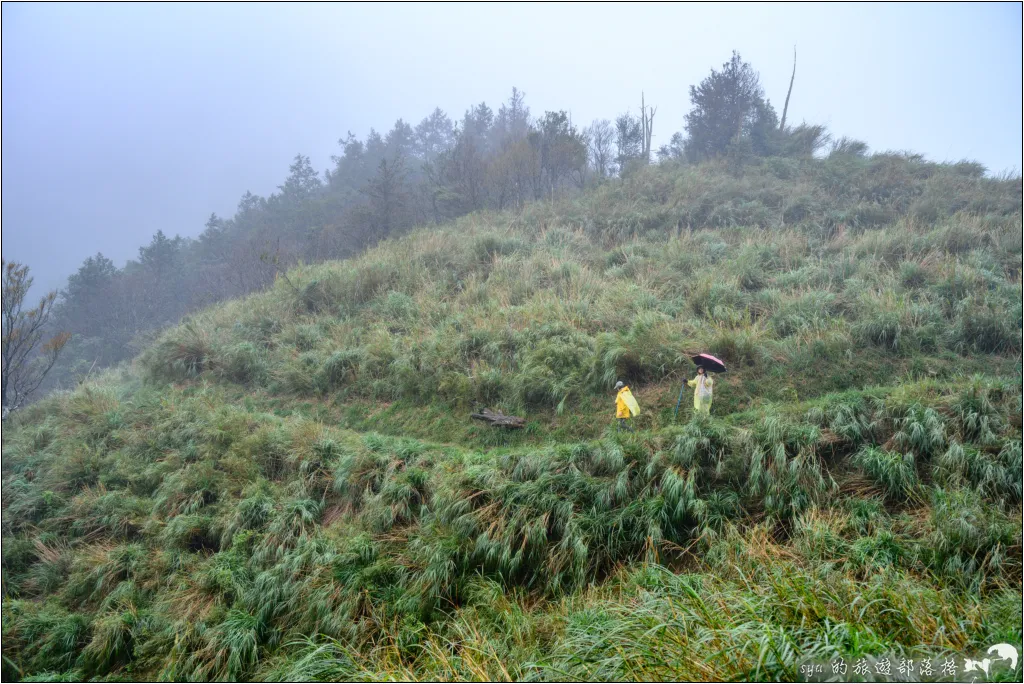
[[703, 391], [703, 385]]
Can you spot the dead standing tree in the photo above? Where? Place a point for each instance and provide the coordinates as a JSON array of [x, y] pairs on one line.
[[647, 127], [785, 107]]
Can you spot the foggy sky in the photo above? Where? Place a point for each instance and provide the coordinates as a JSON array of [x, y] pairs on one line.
[[119, 120]]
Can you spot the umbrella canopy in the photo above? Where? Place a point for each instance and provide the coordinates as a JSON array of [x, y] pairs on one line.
[[709, 362]]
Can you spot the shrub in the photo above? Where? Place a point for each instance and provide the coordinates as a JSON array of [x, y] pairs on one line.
[[316, 296], [913, 274], [848, 147], [340, 366], [49, 637], [981, 327], [398, 307], [297, 374], [113, 641], [296, 518], [182, 354], [785, 472], [488, 247], [251, 513], [112, 514], [976, 412], [555, 367], [997, 476], [18, 555], [920, 432], [244, 363], [235, 644], [191, 533], [894, 472], [884, 329], [808, 312], [187, 491], [966, 539]]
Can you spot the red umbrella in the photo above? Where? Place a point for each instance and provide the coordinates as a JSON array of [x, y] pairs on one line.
[[709, 362]]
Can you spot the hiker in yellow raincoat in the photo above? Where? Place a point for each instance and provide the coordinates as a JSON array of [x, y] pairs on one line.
[[625, 406], [703, 387]]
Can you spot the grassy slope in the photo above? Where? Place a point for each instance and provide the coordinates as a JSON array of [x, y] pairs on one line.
[[289, 486]]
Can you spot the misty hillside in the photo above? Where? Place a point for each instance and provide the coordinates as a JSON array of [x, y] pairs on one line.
[[288, 486]]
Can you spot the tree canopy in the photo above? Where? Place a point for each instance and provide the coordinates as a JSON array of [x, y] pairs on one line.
[[385, 183]]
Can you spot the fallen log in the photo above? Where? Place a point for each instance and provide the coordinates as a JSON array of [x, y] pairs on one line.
[[499, 419]]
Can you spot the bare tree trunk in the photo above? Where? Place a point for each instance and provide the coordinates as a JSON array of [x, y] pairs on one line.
[[646, 128], [785, 108], [643, 127], [650, 131]]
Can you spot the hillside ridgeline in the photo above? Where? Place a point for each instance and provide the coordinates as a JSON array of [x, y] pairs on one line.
[[289, 486]]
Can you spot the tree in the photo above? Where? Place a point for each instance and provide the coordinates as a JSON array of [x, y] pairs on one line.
[[514, 172], [85, 304], [466, 171], [352, 168], [629, 140], [388, 210], [675, 150], [302, 180], [437, 178], [600, 138], [477, 122], [434, 135], [26, 357], [400, 141], [766, 139], [513, 168], [727, 105], [513, 121], [159, 272], [647, 128], [785, 107], [161, 255], [563, 149], [252, 238]]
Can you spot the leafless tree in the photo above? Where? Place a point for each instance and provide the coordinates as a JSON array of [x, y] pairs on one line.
[[647, 127], [26, 357], [785, 108], [600, 143]]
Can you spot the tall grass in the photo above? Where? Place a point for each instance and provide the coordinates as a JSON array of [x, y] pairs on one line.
[[288, 486], [536, 320]]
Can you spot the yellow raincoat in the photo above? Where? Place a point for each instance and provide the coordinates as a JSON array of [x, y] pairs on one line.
[[625, 404], [703, 386]]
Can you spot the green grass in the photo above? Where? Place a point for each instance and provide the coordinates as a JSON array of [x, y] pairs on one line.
[[289, 486]]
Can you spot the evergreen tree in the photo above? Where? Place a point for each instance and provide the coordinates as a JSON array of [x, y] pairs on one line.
[[728, 105]]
